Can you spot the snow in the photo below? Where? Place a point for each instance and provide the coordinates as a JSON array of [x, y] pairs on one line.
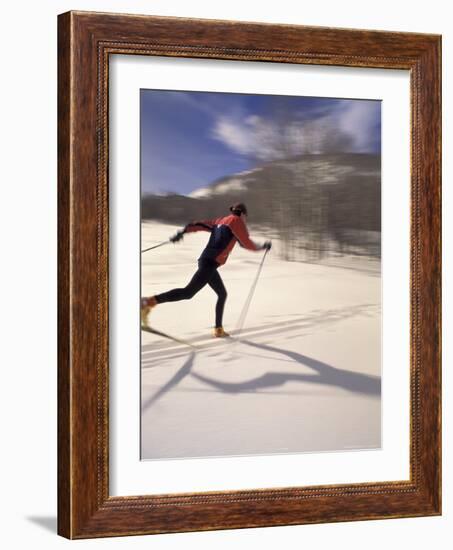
[[303, 376], [233, 184], [248, 172], [201, 192]]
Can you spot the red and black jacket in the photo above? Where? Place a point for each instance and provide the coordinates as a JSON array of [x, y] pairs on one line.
[[225, 232]]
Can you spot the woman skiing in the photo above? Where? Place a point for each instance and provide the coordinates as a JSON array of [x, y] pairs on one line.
[[225, 232]]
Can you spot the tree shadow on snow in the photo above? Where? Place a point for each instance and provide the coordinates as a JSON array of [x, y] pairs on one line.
[[325, 374]]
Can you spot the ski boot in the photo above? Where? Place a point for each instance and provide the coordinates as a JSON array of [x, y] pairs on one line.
[[219, 332], [145, 307]]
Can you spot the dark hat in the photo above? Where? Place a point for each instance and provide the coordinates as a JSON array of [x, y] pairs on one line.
[[238, 208]]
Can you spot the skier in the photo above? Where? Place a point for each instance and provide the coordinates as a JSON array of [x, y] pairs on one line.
[[225, 232]]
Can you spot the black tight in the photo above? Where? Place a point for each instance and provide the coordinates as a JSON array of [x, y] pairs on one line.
[[206, 274]]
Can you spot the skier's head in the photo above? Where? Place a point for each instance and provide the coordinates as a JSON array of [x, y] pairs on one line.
[[238, 208]]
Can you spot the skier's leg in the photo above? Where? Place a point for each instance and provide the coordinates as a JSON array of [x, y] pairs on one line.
[[198, 281], [216, 283]]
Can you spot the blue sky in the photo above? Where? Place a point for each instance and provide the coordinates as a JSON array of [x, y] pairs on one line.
[[190, 139]]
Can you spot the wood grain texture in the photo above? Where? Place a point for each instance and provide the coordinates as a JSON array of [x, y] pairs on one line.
[[64, 367], [85, 42]]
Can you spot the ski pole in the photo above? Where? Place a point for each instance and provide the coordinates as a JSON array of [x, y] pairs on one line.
[[155, 246], [246, 306], [174, 239]]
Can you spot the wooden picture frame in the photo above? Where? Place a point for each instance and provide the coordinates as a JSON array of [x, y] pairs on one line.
[[85, 42]]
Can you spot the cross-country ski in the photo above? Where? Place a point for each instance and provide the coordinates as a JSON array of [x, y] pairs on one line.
[[152, 330]]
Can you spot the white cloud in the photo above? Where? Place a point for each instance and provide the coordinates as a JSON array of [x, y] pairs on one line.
[[358, 119], [346, 126], [252, 135], [237, 135]]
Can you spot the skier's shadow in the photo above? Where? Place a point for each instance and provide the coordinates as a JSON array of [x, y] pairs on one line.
[[174, 381], [325, 374]]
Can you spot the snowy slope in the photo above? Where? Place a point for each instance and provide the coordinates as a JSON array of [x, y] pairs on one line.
[[305, 375]]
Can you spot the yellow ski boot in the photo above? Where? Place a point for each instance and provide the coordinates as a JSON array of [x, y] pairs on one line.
[[219, 332], [145, 307]]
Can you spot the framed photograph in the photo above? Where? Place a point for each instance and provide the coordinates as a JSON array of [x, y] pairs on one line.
[[249, 275]]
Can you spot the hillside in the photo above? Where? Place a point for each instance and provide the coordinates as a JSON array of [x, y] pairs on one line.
[[313, 202]]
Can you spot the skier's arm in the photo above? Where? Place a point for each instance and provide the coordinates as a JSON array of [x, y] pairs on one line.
[[241, 233], [192, 227], [202, 225]]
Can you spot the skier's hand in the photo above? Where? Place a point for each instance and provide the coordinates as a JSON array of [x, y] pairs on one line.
[[267, 245], [177, 237]]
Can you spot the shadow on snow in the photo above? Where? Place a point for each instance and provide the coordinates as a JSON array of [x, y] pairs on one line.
[[174, 381], [324, 374]]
